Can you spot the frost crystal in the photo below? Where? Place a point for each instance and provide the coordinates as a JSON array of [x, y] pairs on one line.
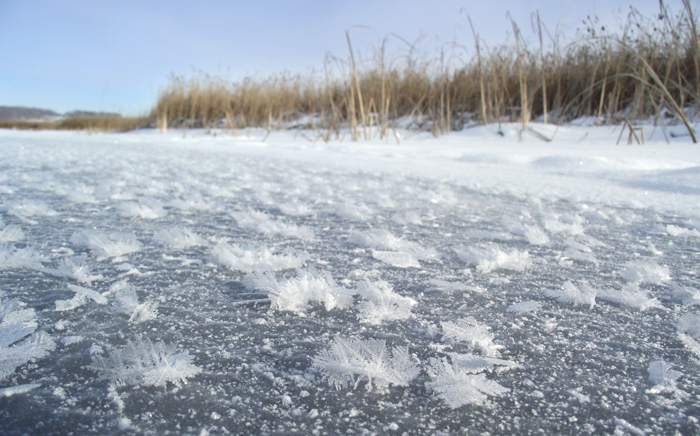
[[491, 258], [646, 271], [254, 258], [145, 363], [295, 294], [11, 258], [397, 259], [584, 295], [178, 238], [261, 223], [143, 211], [348, 361], [688, 296], [525, 307], [458, 387], [15, 325], [11, 234], [470, 331], [664, 379], [631, 296], [106, 245], [127, 302], [74, 268], [380, 303], [689, 332]]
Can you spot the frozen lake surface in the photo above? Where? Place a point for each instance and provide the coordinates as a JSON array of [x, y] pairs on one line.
[[469, 284]]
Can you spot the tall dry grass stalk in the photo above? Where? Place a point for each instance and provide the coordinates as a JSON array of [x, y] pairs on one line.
[[649, 68]]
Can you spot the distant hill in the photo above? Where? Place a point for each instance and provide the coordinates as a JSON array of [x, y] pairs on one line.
[[90, 114], [26, 113], [31, 113]]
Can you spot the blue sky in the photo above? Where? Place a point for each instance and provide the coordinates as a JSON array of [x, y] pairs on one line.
[[115, 56]]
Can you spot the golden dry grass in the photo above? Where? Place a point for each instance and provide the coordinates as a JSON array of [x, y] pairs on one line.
[[650, 69]]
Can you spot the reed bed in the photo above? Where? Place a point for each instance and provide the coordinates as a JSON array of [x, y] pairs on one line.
[[649, 68]]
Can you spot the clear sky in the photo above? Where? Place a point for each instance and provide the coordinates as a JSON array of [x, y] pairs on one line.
[[116, 55]]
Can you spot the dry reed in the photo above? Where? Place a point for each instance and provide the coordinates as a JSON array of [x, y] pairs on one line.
[[650, 69]]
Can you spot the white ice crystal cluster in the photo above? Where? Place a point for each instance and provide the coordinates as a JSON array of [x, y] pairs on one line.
[[178, 238], [19, 341], [250, 258], [142, 362], [81, 297], [107, 245], [458, 386], [381, 303], [73, 267], [470, 331], [689, 332], [489, 258], [14, 258], [392, 250], [296, 294], [11, 233], [349, 361], [127, 302], [577, 295], [262, 223]]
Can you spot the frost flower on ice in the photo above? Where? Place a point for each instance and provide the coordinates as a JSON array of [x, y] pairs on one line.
[[11, 233], [178, 238], [261, 223], [75, 268], [127, 302], [569, 293], [491, 258], [11, 258], [664, 379], [380, 303], [143, 362], [458, 387], [255, 258], [106, 245], [688, 296], [646, 271], [630, 295], [349, 361], [295, 294], [470, 331], [16, 324]]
